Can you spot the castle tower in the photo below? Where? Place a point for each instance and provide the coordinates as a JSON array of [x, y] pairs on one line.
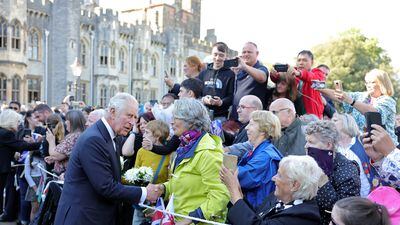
[[195, 6], [64, 47]]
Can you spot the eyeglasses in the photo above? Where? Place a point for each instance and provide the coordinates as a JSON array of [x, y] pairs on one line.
[[13, 108], [278, 111], [245, 107]]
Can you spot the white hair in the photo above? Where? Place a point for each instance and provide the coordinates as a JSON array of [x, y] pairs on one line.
[[9, 119], [309, 176], [349, 124], [98, 113], [120, 100], [193, 112]]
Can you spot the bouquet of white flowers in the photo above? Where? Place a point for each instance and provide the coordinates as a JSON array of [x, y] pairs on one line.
[[141, 176]]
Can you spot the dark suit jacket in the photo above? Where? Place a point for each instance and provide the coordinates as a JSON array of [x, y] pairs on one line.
[[92, 190], [306, 213], [9, 144]]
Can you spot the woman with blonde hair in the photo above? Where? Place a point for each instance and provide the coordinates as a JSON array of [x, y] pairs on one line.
[[377, 98], [260, 164], [191, 69]]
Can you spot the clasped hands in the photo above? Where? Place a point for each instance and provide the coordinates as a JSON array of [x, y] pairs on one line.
[[154, 191]]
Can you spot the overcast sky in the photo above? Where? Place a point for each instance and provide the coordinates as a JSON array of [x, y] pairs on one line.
[[282, 28]]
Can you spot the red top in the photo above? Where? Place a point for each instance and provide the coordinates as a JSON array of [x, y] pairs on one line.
[[311, 97]]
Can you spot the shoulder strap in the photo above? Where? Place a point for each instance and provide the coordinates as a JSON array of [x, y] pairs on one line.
[[158, 169]]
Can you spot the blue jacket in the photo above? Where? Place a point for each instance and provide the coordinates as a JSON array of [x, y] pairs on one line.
[[256, 172]]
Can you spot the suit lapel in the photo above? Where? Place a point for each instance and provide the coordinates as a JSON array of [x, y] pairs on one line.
[[115, 162]]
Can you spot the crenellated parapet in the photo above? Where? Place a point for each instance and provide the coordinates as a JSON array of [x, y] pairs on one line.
[[37, 7]]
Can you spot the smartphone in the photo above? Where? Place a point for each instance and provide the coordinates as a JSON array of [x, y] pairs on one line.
[[283, 68], [230, 162], [338, 85], [373, 118], [27, 132], [318, 84], [166, 73], [231, 63]]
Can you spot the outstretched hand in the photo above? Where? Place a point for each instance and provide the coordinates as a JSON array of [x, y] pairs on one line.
[[154, 191]]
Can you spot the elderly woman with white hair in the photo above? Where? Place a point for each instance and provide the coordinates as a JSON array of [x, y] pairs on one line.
[[293, 201], [9, 144], [340, 174], [195, 183], [350, 146]]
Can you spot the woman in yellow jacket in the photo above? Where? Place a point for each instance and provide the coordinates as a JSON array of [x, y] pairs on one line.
[[195, 183]]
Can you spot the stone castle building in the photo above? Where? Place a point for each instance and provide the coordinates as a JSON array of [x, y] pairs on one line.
[[41, 39]]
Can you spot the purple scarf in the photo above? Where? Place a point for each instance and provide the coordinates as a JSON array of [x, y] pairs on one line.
[[188, 139]]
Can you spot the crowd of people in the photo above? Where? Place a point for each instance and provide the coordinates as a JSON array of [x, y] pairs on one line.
[[239, 144]]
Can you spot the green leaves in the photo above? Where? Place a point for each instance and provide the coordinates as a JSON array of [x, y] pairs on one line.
[[350, 56]]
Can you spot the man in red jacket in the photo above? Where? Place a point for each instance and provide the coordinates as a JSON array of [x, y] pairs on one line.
[[304, 76], [311, 97]]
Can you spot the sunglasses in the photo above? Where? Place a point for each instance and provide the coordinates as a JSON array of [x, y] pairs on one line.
[[13, 108]]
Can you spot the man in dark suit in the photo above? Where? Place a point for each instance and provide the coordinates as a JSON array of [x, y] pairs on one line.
[[92, 190]]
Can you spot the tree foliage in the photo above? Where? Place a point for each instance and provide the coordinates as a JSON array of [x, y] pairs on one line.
[[350, 56]]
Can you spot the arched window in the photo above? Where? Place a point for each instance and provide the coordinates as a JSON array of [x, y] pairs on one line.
[[103, 96], [113, 91], [146, 62], [154, 66], [122, 60], [16, 81], [139, 60], [83, 52], [83, 92], [173, 66], [33, 48], [16, 36], [3, 33], [33, 90], [103, 54], [112, 56], [3, 88]]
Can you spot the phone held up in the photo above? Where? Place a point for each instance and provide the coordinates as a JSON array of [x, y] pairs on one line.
[[27, 132], [231, 63], [282, 68], [373, 118], [318, 84], [338, 85]]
